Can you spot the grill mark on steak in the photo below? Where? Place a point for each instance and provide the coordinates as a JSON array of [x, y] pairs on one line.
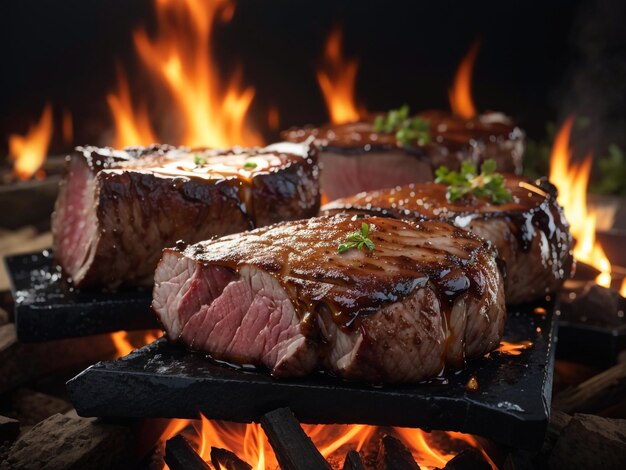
[[399, 313], [117, 209], [530, 233]]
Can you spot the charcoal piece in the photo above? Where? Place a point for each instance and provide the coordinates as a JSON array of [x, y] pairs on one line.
[[353, 461], [227, 460], [469, 459], [163, 380], [9, 429], [47, 308], [293, 448], [33, 407], [393, 455], [179, 455]]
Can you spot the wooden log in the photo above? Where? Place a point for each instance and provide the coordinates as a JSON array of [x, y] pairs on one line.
[[597, 393], [71, 444], [293, 448], [518, 460], [468, 459], [393, 455], [590, 441], [21, 363], [227, 460], [179, 455], [32, 407], [9, 429], [353, 461]]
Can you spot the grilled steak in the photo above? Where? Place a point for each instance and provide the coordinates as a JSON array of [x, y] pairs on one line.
[[117, 210], [427, 297], [354, 158], [530, 233]]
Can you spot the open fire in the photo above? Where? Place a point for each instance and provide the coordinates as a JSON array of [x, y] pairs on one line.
[[249, 442], [572, 179], [211, 113], [460, 94], [337, 79], [29, 152]]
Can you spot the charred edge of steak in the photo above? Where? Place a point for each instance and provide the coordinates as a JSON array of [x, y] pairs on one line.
[[273, 297], [117, 209]]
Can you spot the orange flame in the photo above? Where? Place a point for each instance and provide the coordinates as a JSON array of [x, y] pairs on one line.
[[460, 94], [212, 113], [514, 349], [571, 180], [622, 289], [131, 128], [337, 79], [248, 441], [29, 151], [126, 342]]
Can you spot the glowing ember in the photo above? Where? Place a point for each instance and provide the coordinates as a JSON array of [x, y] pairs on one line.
[[131, 127], [211, 112], [337, 78], [29, 152], [67, 128], [460, 94], [273, 118], [514, 349], [571, 180]]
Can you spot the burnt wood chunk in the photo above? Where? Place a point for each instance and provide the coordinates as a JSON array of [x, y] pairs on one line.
[[469, 459], [61, 442], [9, 429], [353, 461], [597, 393], [179, 455], [590, 441], [293, 448], [393, 455], [227, 460]]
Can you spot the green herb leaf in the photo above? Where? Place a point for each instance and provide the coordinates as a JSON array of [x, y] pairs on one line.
[[199, 160], [407, 129], [358, 240], [487, 184], [249, 166]]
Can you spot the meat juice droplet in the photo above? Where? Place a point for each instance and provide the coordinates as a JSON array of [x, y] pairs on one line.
[[472, 385]]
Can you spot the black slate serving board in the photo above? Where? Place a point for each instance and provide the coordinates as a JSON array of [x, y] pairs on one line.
[[511, 405], [47, 308]]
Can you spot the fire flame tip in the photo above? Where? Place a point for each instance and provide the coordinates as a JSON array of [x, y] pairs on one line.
[[29, 151], [460, 94]]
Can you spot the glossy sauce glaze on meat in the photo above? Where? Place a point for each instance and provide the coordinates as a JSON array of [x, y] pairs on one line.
[[117, 210], [530, 233], [427, 297], [355, 158]]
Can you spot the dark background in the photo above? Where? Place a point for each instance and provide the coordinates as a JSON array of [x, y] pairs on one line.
[[539, 61]]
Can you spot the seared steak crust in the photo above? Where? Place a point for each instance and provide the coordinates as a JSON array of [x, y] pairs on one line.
[[427, 297], [530, 233], [117, 210], [355, 158]]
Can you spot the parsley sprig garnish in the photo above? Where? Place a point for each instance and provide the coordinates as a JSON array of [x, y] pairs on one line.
[[468, 181], [249, 166], [407, 129], [199, 160], [358, 240]]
